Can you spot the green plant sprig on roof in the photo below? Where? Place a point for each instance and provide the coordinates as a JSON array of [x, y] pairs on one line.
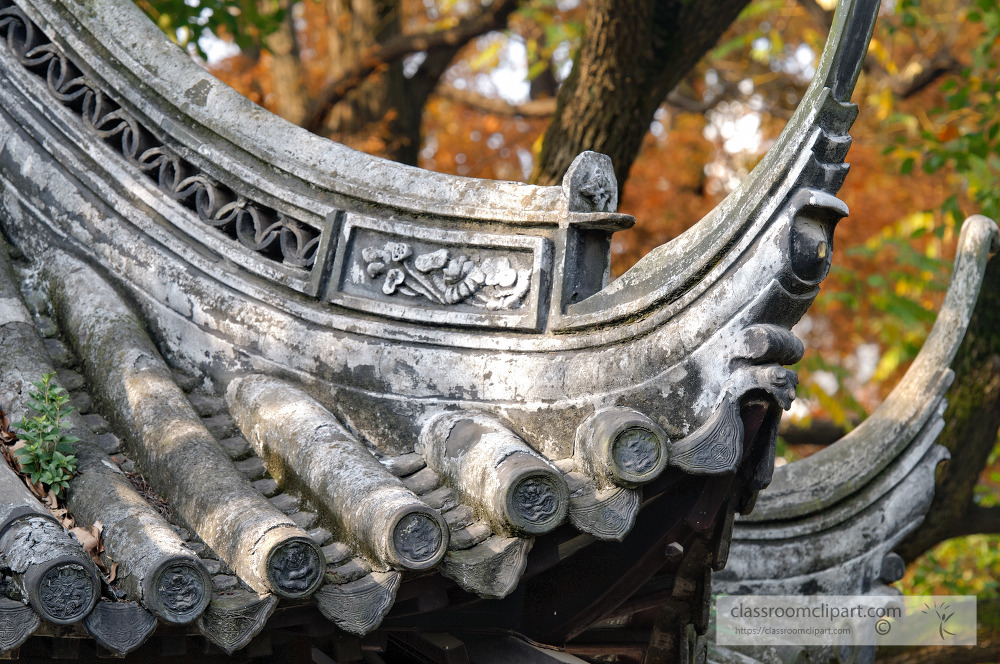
[[48, 453]]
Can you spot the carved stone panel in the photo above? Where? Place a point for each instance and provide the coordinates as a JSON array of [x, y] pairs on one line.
[[359, 606], [17, 623], [232, 619], [439, 276], [121, 627]]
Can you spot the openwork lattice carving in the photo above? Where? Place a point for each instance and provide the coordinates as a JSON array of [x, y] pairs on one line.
[[257, 227]]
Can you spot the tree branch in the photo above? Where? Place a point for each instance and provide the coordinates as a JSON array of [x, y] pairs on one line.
[[634, 52], [976, 520], [822, 16], [534, 108], [918, 75], [382, 55], [545, 107]]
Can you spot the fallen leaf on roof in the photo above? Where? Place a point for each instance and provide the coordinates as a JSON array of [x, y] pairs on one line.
[[89, 540], [7, 436]]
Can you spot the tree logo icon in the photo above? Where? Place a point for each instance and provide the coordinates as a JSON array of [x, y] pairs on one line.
[[943, 615]]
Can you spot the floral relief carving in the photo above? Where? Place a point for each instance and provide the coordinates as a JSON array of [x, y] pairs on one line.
[[496, 283]]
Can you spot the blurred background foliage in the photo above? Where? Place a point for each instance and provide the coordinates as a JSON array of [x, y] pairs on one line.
[[926, 153]]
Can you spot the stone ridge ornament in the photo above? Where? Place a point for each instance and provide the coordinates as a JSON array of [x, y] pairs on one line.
[[828, 524], [590, 184]]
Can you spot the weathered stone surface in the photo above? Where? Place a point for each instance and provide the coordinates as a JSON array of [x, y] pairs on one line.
[[352, 570], [182, 460], [301, 438], [828, 523], [223, 582], [442, 498], [286, 503], [267, 486], [206, 405], [620, 446], [422, 481], [82, 402], [134, 533], [608, 514], [253, 468], [304, 519], [460, 517], [515, 487], [236, 447], [96, 423], [336, 552], [49, 569], [176, 588], [405, 464], [109, 443], [220, 426], [59, 354], [577, 372], [320, 535], [469, 536], [842, 469], [490, 569], [398, 294], [70, 380]]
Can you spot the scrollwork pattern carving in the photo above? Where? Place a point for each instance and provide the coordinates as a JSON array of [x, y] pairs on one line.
[[358, 607], [232, 623], [256, 226]]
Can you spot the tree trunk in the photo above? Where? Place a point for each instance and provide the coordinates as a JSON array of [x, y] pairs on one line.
[[286, 72], [378, 116], [634, 53], [971, 423]]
